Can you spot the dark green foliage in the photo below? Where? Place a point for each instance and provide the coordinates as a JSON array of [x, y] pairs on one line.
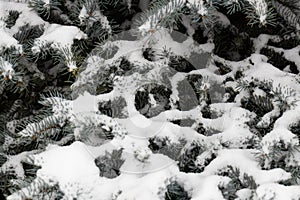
[[2, 195], [113, 108], [161, 95], [236, 183], [118, 11], [96, 35], [153, 55], [52, 192], [30, 169], [170, 18], [48, 131], [240, 20], [125, 65], [295, 175], [5, 184], [258, 104], [206, 112], [278, 60], [19, 101], [176, 192], [232, 94], [199, 36], [206, 131], [251, 142], [194, 78], [105, 82], [264, 104], [289, 11], [266, 86], [286, 42], [27, 34], [22, 144], [149, 54], [93, 133], [43, 9], [223, 69], [230, 7], [110, 164], [260, 131], [44, 191], [104, 88], [203, 94], [165, 147], [232, 44], [186, 161], [3, 159], [12, 18], [239, 74], [155, 144], [184, 122], [281, 95], [280, 154], [180, 64], [200, 129], [51, 130], [295, 128]]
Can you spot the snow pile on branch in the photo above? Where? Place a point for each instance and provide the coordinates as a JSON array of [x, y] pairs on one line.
[[150, 120], [63, 43], [78, 176]]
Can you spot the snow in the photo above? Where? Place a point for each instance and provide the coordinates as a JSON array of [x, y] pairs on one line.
[[277, 192], [66, 35], [260, 7], [154, 163], [14, 163], [203, 187], [63, 43], [85, 103], [6, 69], [199, 5], [288, 118], [277, 135], [47, 2], [244, 194], [6, 39], [260, 42], [244, 161], [26, 15], [83, 14], [290, 54], [78, 177], [74, 157], [144, 174]]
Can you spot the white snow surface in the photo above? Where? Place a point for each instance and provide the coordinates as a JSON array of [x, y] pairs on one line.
[[66, 36], [144, 174], [26, 15]]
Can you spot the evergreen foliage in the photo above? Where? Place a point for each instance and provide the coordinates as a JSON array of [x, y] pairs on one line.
[[200, 81], [175, 192]]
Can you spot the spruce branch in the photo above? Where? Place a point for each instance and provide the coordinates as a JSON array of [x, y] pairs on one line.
[[259, 12], [43, 7], [232, 6], [287, 13], [161, 14]]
